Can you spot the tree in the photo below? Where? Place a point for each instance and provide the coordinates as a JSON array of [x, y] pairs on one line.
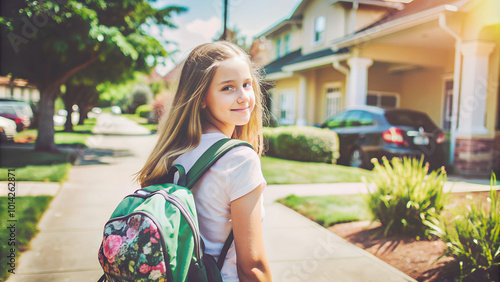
[[85, 96], [234, 35], [49, 41], [81, 87]]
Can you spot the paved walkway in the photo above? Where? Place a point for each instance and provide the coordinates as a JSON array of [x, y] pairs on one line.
[[71, 229]]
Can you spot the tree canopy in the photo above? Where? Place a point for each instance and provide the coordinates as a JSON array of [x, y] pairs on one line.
[[49, 41]]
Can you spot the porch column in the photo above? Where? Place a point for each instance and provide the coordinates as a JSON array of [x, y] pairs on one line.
[[301, 107], [474, 88], [358, 81]]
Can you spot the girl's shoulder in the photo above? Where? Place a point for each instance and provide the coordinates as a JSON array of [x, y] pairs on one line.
[[239, 158]]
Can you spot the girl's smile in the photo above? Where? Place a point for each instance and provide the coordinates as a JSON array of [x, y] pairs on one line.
[[230, 99]]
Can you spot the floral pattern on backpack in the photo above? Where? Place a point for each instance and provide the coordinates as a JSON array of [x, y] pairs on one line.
[[132, 250]]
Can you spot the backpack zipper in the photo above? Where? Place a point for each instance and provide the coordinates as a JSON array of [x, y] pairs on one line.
[[189, 218]]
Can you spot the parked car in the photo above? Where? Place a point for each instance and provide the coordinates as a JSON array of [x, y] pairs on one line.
[[8, 130], [21, 105], [368, 132], [11, 111], [116, 110]]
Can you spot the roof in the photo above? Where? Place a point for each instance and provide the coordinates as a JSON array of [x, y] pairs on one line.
[[276, 65], [411, 8], [280, 26], [4, 80], [380, 3], [414, 13], [297, 57], [395, 4]]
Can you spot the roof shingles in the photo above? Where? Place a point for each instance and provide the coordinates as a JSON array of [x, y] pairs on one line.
[[297, 57]]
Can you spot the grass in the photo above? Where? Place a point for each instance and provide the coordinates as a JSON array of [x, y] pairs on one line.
[[43, 173], [41, 166], [279, 171], [142, 121], [330, 209], [76, 138], [79, 136], [28, 211]]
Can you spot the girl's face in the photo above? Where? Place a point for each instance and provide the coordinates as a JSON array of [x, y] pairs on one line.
[[230, 98]]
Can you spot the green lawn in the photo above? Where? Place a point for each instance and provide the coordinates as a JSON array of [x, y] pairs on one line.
[[331, 209], [43, 173], [28, 211], [79, 136], [42, 166], [325, 210], [279, 171], [142, 121]]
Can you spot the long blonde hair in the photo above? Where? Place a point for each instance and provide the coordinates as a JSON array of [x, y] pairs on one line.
[[180, 130]]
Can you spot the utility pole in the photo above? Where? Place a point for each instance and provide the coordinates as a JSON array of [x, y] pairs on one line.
[[224, 32]]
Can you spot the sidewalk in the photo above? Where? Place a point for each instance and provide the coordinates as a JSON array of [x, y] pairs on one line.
[[71, 229]]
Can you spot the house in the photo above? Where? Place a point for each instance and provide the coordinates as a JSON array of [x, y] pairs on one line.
[[437, 56], [18, 89]]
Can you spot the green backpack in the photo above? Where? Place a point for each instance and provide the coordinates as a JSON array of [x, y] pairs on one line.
[[153, 234]]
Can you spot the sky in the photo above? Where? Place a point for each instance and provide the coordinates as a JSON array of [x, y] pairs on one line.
[[203, 22]]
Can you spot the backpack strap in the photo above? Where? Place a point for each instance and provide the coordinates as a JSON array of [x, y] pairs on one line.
[[209, 157], [225, 249], [214, 153]]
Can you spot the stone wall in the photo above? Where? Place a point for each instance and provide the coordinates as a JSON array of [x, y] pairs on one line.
[[475, 157], [496, 155]]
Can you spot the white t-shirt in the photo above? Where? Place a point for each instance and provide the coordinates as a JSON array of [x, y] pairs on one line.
[[234, 175]]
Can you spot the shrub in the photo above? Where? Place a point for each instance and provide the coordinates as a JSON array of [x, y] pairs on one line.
[[141, 95], [158, 109], [307, 144], [405, 196], [144, 111], [472, 237]]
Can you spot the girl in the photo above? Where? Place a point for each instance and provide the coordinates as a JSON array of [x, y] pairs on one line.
[[218, 97]]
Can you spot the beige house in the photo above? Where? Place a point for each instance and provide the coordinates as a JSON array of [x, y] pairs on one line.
[[437, 56], [18, 89]]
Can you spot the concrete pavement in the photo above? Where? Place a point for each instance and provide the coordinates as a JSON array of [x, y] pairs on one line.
[[71, 229]]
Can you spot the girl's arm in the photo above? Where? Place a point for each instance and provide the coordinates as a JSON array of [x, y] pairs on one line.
[[247, 228]]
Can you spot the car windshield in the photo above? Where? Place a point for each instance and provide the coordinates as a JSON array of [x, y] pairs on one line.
[[412, 119]]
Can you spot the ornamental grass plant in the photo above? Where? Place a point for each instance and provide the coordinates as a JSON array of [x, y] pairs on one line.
[[472, 237], [406, 195]]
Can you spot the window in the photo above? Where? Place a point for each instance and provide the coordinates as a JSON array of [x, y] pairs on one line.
[[287, 43], [287, 108], [448, 105], [319, 29], [383, 100], [366, 119], [333, 101], [336, 121], [353, 119], [359, 118], [412, 119], [278, 48]]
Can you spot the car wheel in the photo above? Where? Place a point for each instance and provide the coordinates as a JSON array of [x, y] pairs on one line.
[[3, 137], [358, 159]]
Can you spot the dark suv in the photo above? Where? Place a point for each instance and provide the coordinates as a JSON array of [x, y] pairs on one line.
[[368, 132]]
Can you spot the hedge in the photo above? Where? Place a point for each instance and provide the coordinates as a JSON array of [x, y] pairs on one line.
[[302, 143], [144, 110]]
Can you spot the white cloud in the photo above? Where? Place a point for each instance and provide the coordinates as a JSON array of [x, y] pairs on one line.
[[189, 35], [207, 29]]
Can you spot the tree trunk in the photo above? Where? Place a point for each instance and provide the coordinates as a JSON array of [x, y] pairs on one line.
[[83, 115], [68, 125], [45, 140]]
